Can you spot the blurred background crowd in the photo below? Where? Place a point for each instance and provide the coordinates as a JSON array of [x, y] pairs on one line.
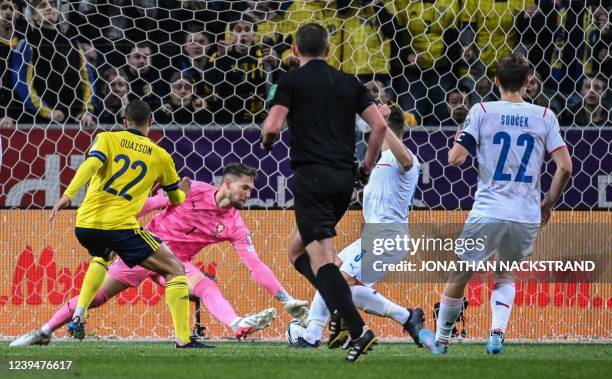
[[212, 62]]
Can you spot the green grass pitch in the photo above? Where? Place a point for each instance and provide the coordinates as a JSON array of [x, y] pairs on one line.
[[105, 359]]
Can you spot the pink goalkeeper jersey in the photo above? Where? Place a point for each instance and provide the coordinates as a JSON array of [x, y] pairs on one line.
[[197, 222]]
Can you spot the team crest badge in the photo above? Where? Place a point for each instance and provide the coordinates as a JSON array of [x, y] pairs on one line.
[[220, 228]]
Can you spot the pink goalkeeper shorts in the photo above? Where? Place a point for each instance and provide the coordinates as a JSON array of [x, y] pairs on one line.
[[132, 277]]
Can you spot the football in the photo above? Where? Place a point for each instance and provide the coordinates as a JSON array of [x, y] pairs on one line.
[[294, 331]]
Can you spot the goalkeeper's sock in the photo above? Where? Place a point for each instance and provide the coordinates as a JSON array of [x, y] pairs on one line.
[[64, 314], [502, 300], [96, 272], [317, 319], [302, 265], [210, 295], [370, 301], [177, 298], [450, 309], [337, 295]]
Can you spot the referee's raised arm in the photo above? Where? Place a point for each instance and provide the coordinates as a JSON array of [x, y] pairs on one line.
[[320, 105]]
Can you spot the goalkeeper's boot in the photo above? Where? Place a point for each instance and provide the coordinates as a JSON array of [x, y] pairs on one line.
[[297, 309], [301, 343], [76, 328], [414, 324], [35, 337], [427, 338], [495, 344], [251, 324], [359, 347], [338, 331], [193, 344]]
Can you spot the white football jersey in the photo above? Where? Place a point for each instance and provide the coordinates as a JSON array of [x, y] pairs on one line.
[[389, 193], [511, 140]]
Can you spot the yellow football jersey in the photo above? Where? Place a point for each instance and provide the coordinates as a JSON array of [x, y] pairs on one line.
[[132, 165]]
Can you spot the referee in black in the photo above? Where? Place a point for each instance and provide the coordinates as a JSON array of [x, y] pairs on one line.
[[320, 104]]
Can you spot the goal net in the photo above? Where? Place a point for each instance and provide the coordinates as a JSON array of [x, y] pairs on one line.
[[206, 68]]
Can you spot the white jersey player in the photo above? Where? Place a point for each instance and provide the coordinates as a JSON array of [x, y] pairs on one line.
[[386, 200], [511, 138]]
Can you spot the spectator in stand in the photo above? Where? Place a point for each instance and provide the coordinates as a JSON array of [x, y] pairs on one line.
[[537, 94], [195, 62], [453, 112], [145, 81], [484, 90], [114, 96], [240, 76], [10, 109], [493, 25], [430, 27], [594, 109], [53, 80], [182, 106], [365, 47]]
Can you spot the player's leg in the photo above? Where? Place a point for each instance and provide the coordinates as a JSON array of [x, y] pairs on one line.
[[42, 336], [502, 300], [164, 263], [265, 277], [210, 294], [93, 241], [451, 302], [516, 245], [318, 315]]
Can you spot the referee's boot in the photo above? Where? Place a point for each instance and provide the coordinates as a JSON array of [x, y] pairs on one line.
[[359, 347], [194, 344], [414, 324]]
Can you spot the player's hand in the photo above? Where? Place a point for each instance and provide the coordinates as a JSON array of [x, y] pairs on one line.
[[457, 134], [185, 185], [545, 211], [297, 309], [86, 119], [363, 175], [58, 116], [61, 203], [292, 61], [6, 123], [384, 110]]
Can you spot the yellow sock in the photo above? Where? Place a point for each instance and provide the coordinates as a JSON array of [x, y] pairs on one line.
[[96, 272], [177, 298]]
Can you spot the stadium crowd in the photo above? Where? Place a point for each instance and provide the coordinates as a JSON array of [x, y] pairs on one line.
[[214, 61]]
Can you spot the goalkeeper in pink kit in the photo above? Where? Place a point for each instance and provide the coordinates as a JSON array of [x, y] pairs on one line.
[[209, 215]]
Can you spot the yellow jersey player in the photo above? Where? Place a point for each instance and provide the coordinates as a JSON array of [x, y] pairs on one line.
[[122, 167]]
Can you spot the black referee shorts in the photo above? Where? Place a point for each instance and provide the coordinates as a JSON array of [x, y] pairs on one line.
[[134, 246], [321, 196]]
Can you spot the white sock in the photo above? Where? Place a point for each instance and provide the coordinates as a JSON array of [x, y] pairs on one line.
[[47, 329], [502, 299], [370, 301], [449, 312], [317, 319], [79, 311]]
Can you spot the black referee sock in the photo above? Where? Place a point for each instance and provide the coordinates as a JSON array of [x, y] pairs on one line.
[[335, 290], [302, 265]]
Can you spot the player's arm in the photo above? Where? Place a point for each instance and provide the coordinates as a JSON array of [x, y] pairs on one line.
[[175, 188], [95, 160], [466, 138], [561, 157], [280, 98], [272, 125], [464, 142], [84, 173], [159, 201], [397, 147], [378, 125]]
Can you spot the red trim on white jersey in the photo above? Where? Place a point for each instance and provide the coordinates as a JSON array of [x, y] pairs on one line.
[[557, 148], [483, 108], [545, 110]]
